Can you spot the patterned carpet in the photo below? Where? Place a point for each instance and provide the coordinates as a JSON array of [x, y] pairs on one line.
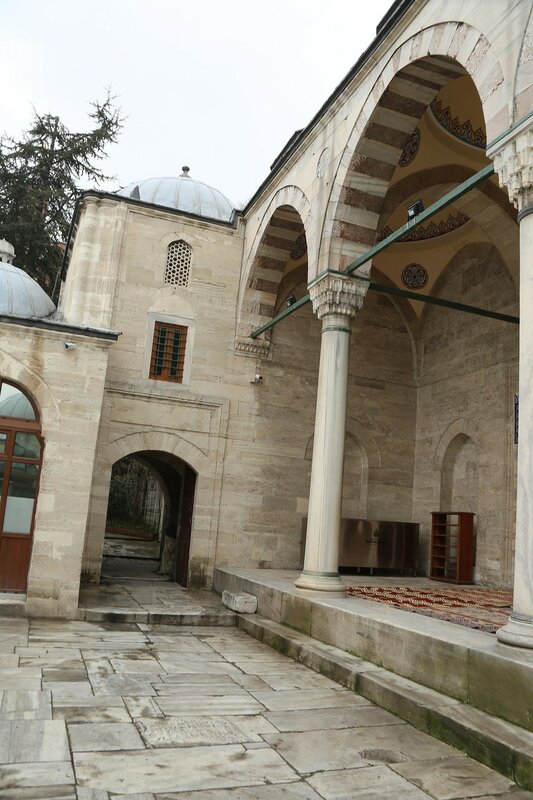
[[484, 609]]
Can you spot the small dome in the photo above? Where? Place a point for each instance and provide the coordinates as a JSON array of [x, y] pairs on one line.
[[184, 194], [17, 405], [7, 251], [21, 296]]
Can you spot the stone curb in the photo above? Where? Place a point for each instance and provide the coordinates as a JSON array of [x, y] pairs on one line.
[[504, 747], [207, 619]]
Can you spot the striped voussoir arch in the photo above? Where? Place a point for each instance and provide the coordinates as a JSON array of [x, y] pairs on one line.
[[283, 239], [388, 130]]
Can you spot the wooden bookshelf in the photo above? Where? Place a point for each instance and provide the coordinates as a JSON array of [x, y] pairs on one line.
[[452, 546]]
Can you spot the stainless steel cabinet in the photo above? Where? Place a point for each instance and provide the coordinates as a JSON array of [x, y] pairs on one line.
[[376, 544]]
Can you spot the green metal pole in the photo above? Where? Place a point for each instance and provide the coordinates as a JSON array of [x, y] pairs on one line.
[[445, 201]]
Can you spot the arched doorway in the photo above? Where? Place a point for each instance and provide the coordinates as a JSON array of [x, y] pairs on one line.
[[21, 448], [149, 518]]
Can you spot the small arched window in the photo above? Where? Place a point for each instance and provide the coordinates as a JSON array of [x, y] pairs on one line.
[[179, 255]]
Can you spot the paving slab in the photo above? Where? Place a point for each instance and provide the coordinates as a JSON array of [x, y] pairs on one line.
[[287, 791], [33, 740], [292, 700], [99, 736], [367, 783], [453, 778], [310, 751], [26, 704], [172, 769], [315, 719], [36, 774], [178, 731], [207, 706]]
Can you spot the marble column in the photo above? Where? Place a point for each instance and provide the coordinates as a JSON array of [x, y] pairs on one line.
[[513, 161], [336, 299]]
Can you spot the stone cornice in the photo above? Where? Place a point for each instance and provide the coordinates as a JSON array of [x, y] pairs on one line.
[[513, 161], [255, 348], [337, 293]]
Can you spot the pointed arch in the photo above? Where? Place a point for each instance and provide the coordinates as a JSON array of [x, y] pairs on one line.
[[413, 75], [283, 233]]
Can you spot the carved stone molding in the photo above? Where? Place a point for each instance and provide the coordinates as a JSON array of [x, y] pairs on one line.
[[254, 348], [338, 294], [513, 161]]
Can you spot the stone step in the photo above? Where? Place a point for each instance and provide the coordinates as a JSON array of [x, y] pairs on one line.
[[500, 745], [223, 618], [12, 605]]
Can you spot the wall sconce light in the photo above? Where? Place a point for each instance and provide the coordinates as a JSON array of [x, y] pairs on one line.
[[290, 301], [414, 210]]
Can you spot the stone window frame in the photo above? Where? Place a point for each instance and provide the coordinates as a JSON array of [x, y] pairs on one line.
[[185, 323]]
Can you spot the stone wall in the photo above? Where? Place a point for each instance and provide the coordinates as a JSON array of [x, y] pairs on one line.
[[67, 386], [465, 452]]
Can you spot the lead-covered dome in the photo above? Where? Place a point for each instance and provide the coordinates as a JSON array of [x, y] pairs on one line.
[[183, 194], [21, 296]]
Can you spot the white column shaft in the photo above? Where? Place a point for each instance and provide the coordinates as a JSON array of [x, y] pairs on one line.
[[325, 496], [336, 299]]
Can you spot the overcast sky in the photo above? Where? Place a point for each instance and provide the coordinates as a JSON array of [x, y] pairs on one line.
[[217, 86]]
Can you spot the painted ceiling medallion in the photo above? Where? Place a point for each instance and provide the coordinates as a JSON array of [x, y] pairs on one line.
[[411, 148], [414, 276], [429, 231], [461, 130], [299, 247]]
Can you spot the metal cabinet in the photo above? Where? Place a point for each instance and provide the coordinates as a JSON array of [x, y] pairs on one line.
[[376, 544]]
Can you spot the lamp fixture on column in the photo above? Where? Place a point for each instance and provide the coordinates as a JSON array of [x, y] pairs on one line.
[[290, 301]]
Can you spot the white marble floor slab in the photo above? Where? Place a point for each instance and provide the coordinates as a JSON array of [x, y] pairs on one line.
[[306, 698], [310, 751], [367, 783], [93, 736], [314, 719], [181, 769], [202, 706], [33, 740], [26, 704]]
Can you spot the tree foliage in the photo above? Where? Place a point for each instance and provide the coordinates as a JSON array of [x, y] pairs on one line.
[[39, 182]]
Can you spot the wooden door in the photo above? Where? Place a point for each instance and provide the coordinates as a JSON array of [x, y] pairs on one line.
[[20, 461], [183, 544], [21, 449]]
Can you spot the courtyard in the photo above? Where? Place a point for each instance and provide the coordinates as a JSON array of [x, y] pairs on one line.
[[94, 711]]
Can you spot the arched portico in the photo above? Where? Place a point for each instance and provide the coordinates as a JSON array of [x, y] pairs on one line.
[[384, 169]]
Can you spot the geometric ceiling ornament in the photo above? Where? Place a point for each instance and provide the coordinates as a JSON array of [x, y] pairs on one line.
[[430, 231], [461, 130], [414, 276], [299, 247], [411, 149]]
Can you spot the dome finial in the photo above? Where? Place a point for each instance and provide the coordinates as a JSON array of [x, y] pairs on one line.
[[185, 173]]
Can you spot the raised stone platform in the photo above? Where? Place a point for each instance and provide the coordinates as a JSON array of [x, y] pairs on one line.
[[468, 665]]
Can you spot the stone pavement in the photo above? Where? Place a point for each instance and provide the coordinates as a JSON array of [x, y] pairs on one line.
[[98, 711]]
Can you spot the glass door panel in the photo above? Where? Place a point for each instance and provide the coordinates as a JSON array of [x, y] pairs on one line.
[[20, 498]]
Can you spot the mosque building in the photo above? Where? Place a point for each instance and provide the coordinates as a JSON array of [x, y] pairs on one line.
[[363, 402]]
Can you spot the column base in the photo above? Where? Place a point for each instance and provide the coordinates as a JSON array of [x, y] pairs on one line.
[[320, 582], [517, 632]]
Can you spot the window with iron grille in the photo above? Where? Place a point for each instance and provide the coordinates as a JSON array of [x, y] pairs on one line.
[[178, 267], [168, 352]]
